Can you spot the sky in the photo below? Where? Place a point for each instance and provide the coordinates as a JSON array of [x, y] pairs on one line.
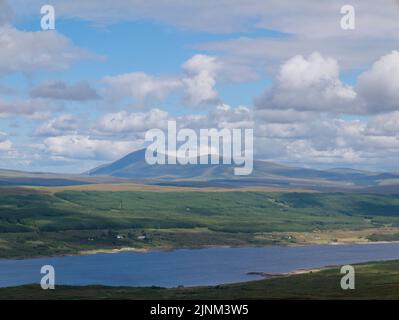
[[317, 95]]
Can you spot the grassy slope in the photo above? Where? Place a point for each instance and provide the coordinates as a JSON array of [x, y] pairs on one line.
[[378, 280], [37, 223]]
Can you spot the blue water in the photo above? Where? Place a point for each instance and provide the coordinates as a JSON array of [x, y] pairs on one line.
[[189, 267]]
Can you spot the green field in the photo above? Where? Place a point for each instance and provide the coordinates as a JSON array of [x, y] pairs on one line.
[[378, 280], [37, 223]]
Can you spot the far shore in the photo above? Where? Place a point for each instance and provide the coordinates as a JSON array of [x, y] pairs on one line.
[[165, 249], [171, 248]]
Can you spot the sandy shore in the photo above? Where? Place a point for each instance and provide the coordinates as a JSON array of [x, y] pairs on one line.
[[144, 250], [286, 274], [125, 249]]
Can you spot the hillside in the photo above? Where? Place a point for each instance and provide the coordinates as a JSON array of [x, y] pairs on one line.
[[134, 166]]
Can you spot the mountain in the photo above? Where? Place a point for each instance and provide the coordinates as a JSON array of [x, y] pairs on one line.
[[133, 166]]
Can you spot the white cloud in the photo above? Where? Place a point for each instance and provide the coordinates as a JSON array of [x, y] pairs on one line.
[[378, 87], [28, 52], [57, 89], [201, 63], [62, 125], [284, 116], [140, 86], [85, 147], [201, 80], [222, 116], [32, 108], [329, 141], [133, 122], [303, 151], [197, 84], [284, 130], [225, 116], [384, 125], [308, 84]]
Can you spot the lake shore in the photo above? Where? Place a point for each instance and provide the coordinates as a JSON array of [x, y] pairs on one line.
[[269, 275], [167, 249], [172, 248]]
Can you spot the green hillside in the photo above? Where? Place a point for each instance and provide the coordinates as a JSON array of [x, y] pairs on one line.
[[35, 223]]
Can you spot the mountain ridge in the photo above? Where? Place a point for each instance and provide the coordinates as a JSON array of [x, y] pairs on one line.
[[134, 166]]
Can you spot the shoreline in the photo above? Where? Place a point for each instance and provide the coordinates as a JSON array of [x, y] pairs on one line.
[[270, 275], [168, 249]]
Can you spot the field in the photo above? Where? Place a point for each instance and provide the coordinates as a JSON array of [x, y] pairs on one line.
[[57, 221], [379, 280]]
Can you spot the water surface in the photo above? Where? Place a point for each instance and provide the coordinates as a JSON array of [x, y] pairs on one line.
[[195, 267]]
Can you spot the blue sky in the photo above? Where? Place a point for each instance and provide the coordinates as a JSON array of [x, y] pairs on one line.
[[145, 46], [85, 94]]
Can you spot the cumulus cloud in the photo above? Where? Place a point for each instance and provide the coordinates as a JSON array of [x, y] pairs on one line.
[[378, 87], [85, 147], [222, 116], [133, 122], [284, 130], [115, 134], [283, 116], [32, 108], [81, 91], [302, 150], [62, 125], [201, 80], [386, 124], [225, 116], [27, 52], [314, 142], [197, 84], [308, 84], [141, 86], [330, 141], [317, 139]]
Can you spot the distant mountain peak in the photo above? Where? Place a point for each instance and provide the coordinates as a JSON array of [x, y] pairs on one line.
[[133, 166]]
